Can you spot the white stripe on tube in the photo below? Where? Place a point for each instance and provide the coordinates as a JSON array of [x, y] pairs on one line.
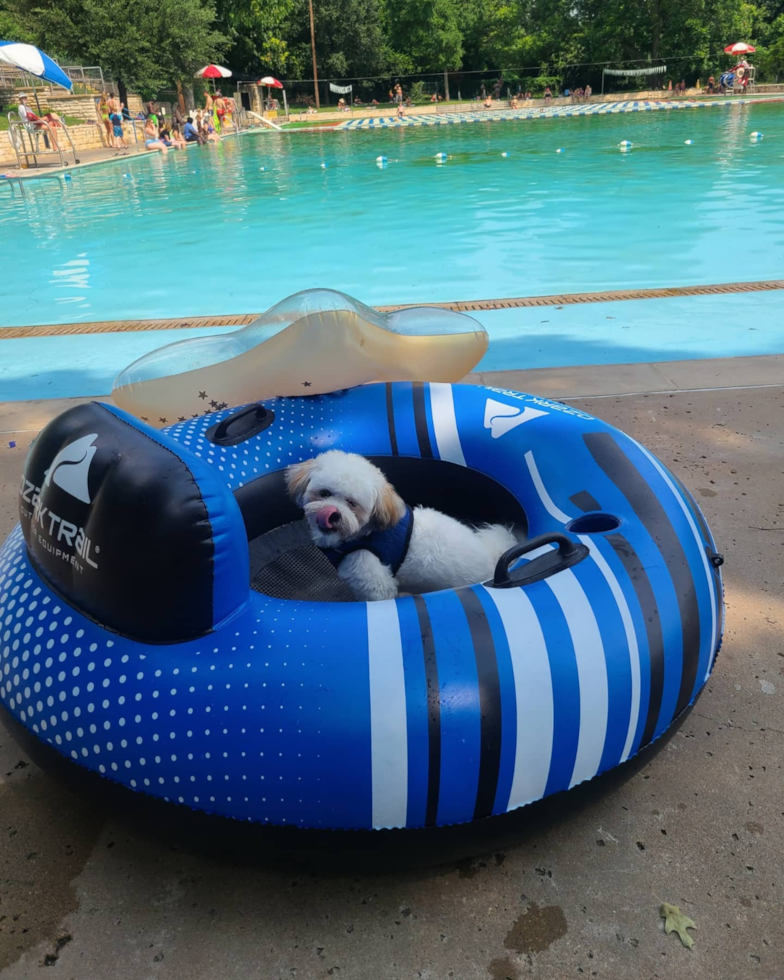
[[445, 423], [591, 673], [623, 608], [388, 731], [631, 639], [700, 547], [547, 501], [533, 694]]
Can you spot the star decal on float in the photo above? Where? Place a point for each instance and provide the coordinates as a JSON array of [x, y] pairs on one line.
[[306, 384], [181, 418], [162, 420], [202, 394], [144, 418], [195, 415], [222, 405]]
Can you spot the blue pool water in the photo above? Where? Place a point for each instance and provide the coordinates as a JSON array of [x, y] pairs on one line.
[[208, 231], [682, 328]]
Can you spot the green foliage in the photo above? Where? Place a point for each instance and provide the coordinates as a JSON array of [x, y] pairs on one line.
[[259, 32], [428, 31], [771, 58], [417, 93], [540, 83], [147, 44], [154, 43], [349, 38], [12, 27]]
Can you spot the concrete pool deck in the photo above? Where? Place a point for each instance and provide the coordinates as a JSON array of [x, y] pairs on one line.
[[67, 360], [700, 826]]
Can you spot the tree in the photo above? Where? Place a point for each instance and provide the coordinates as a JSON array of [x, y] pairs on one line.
[[429, 32], [12, 28], [349, 38], [771, 59], [259, 34], [147, 44]]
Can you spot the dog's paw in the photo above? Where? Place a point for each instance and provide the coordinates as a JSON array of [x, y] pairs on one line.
[[369, 579]]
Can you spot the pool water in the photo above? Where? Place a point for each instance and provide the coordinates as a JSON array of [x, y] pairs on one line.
[[236, 227]]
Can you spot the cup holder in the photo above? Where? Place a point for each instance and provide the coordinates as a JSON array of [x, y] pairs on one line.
[[596, 523]]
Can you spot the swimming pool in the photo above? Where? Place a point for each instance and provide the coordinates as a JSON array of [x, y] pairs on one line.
[[235, 228]]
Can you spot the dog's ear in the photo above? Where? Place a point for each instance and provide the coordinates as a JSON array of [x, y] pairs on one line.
[[297, 479], [389, 508]]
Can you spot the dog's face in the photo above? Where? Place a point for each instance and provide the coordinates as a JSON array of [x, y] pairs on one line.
[[343, 496]]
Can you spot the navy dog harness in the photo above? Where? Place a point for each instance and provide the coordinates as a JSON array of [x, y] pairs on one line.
[[389, 546]]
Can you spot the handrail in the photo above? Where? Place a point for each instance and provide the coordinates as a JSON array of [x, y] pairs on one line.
[[18, 130]]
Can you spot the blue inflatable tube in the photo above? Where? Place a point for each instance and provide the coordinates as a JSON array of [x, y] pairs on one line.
[[132, 645]]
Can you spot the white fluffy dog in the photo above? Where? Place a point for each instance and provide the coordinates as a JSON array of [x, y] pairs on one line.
[[379, 546]]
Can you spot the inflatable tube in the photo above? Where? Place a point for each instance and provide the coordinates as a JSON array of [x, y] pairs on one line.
[[312, 342], [134, 647]]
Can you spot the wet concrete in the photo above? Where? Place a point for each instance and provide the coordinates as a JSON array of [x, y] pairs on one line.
[[699, 827]]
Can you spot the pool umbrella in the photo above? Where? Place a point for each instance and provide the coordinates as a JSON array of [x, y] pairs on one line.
[[270, 82], [32, 60], [740, 48], [213, 72]]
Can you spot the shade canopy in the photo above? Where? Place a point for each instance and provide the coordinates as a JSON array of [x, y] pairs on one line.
[[213, 71], [35, 62]]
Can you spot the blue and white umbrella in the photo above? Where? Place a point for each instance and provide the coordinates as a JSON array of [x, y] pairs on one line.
[[32, 60]]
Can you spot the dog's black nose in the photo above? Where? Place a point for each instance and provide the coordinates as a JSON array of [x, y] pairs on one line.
[[334, 518]]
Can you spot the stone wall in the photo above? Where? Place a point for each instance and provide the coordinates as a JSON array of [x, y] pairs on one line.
[[76, 106]]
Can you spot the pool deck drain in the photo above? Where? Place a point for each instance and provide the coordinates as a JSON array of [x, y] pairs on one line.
[[460, 306]]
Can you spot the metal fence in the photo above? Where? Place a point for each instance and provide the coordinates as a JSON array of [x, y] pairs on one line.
[[86, 79]]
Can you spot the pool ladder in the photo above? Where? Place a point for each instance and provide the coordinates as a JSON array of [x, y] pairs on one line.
[[26, 142]]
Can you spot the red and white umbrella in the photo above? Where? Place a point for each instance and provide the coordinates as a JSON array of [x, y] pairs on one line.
[[740, 48], [213, 71], [270, 82]]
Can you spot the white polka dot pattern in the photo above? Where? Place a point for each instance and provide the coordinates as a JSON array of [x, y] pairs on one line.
[[251, 722], [256, 721]]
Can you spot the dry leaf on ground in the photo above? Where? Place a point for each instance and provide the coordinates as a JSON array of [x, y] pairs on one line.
[[676, 921]]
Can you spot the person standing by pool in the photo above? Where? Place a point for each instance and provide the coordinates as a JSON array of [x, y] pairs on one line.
[[220, 112], [118, 133], [398, 92], [548, 95], [103, 115], [207, 100], [400, 110], [497, 87], [588, 93]]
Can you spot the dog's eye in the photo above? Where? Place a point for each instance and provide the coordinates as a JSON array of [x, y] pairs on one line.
[[325, 493], [351, 503]]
